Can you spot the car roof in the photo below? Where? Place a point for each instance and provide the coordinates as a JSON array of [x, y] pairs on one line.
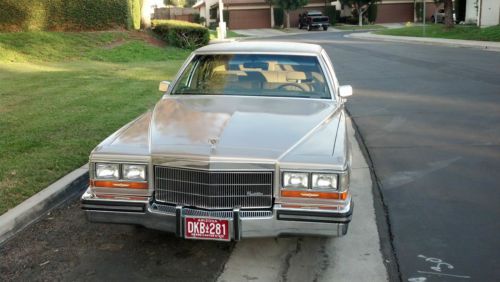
[[261, 47]]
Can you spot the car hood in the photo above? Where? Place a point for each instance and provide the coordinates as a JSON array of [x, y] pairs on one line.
[[235, 127]]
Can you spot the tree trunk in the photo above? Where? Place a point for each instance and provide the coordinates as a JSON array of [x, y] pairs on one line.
[[287, 19], [448, 13], [360, 17]]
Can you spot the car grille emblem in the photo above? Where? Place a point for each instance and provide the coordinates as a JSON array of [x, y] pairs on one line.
[[213, 141]]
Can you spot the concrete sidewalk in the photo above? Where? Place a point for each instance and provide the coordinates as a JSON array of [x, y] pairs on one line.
[[486, 45]]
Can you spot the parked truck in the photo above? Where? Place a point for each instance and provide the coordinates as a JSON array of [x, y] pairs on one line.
[[313, 19]]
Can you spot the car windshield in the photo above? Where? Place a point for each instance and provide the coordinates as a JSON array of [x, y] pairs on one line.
[[254, 75]]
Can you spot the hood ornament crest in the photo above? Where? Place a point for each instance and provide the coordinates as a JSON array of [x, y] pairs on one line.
[[213, 141]]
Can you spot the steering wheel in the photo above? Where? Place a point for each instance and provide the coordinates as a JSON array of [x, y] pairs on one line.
[[293, 85]]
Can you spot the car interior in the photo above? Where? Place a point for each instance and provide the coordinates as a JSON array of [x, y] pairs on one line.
[[271, 75]]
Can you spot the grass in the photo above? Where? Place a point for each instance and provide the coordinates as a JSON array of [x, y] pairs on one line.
[[357, 27], [463, 32], [230, 34], [63, 93]]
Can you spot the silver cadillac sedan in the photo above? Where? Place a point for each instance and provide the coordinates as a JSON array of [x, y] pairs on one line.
[[249, 140]]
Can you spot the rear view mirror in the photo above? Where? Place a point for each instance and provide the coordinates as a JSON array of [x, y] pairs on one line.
[[345, 91], [164, 85]]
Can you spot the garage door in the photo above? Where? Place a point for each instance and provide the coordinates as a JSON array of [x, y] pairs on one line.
[[247, 19]]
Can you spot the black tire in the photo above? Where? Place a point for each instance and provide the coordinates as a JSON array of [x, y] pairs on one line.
[[433, 20], [325, 28], [343, 229], [300, 26], [309, 28]]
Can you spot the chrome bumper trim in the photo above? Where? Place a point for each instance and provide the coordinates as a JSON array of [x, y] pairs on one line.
[[273, 222]]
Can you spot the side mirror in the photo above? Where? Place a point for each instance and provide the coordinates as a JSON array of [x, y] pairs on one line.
[[345, 91], [164, 85]]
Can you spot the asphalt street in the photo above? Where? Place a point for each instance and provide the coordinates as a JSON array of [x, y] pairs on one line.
[[430, 119]]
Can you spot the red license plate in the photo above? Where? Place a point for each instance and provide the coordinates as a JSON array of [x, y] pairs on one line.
[[206, 228]]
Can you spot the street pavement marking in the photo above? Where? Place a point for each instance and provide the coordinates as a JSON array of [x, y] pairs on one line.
[[354, 257]]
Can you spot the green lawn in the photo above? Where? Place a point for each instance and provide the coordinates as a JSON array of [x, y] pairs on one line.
[[230, 34], [62, 93], [357, 27], [464, 32]]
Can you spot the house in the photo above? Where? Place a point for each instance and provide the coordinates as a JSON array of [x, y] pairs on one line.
[[246, 14], [482, 12]]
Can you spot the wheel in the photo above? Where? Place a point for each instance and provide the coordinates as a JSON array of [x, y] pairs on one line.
[[433, 20], [325, 28], [309, 27], [342, 229]]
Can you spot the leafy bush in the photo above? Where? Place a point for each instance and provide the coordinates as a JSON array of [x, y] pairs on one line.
[[181, 33], [279, 15], [134, 7], [372, 13], [331, 12], [225, 15], [63, 15]]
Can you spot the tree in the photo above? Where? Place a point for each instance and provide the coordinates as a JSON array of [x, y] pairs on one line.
[[448, 11], [360, 6], [175, 3], [288, 6]]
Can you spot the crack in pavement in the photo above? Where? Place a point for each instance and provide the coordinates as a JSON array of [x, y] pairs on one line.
[[286, 264]]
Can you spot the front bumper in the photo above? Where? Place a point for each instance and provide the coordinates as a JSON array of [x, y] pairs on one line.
[[317, 25], [278, 221]]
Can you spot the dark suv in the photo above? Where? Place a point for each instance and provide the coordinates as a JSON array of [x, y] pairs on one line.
[[313, 19]]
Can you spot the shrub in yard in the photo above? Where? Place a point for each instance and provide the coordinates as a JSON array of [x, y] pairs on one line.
[[60, 15], [181, 33], [279, 15], [372, 13], [331, 12], [134, 8]]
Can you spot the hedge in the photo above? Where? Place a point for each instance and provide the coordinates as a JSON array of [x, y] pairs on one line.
[[134, 16], [372, 13], [181, 33], [279, 16], [331, 12], [66, 15]]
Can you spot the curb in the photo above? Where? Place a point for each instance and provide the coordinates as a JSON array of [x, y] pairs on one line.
[[484, 45], [32, 209]]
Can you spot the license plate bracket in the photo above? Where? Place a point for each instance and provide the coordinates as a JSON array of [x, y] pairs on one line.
[[206, 228]]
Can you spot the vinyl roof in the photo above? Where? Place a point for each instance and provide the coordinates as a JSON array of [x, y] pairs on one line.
[[261, 47]]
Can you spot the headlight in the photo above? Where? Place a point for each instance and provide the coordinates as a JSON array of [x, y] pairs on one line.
[[107, 171], [324, 181], [134, 172], [295, 180]]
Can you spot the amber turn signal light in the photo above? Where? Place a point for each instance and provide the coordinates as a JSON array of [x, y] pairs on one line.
[[119, 184], [314, 195]]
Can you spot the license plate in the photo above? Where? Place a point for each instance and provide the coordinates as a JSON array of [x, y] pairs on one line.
[[206, 228]]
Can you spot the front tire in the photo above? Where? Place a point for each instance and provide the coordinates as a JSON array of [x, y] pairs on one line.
[[309, 28], [300, 26], [325, 28]]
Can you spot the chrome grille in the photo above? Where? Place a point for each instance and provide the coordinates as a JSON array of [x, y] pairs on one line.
[[214, 189]]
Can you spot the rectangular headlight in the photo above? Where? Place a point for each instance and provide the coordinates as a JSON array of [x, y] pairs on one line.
[[134, 172], [107, 171], [295, 180], [324, 181]]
